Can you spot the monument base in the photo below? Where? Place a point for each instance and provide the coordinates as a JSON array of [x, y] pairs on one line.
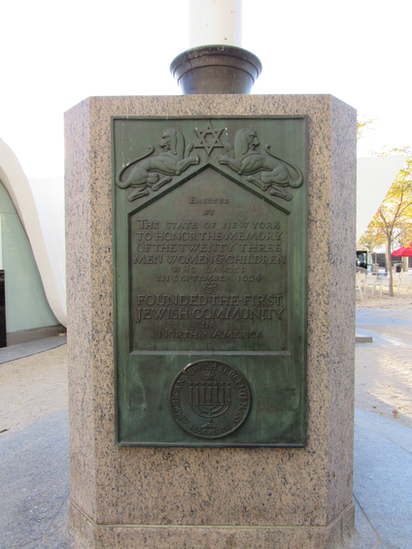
[[192, 497], [339, 534]]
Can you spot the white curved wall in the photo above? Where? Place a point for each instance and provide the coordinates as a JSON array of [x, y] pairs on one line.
[[45, 231]]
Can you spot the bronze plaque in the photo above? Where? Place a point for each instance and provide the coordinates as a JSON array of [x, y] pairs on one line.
[[210, 220]]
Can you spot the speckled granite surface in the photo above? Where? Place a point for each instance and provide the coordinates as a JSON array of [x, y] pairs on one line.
[[165, 497]]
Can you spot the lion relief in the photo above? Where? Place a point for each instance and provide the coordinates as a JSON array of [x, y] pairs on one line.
[[274, 172], [154, 172]]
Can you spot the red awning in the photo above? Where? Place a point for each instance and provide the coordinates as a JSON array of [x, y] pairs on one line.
[[405, 251]]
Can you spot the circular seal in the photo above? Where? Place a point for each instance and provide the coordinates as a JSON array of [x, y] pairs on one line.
[[209, 398]]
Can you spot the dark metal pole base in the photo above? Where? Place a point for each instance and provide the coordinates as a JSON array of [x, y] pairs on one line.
[[216, 70]]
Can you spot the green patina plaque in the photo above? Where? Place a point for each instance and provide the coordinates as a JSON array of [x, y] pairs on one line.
[[210, 254]]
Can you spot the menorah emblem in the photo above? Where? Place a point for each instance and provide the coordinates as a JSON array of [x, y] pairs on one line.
[[210, 399], [210, 390]]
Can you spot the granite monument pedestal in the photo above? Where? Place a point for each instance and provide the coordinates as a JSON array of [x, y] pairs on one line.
[[174, 497]]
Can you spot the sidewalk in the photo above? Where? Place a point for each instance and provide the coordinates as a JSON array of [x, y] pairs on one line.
[[35, 485]]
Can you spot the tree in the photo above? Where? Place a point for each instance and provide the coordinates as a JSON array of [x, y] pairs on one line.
[[363, 125], [393, 220]]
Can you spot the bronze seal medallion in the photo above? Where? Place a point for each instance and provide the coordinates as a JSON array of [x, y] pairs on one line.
[[210, 398]]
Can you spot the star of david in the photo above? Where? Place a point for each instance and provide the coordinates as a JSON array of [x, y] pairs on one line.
[[209, 138]]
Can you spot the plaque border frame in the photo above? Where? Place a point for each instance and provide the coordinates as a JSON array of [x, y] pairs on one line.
[[210, 355]]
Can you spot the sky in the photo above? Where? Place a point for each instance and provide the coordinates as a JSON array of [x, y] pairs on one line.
[[56, 53]]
